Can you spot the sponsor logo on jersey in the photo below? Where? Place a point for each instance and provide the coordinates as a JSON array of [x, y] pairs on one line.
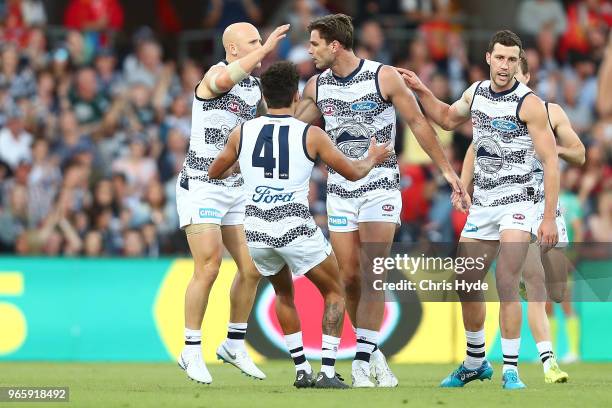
[[504, 125], [336, 221], [363, 106], [270, 195], [328, 110], [519, 217], [469, 227], [209, 213], [489, 156], [234, 107], [388, 207]]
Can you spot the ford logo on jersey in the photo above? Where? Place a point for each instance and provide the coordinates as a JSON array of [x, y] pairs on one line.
[[505, 125], [270, 195], [363, 106]]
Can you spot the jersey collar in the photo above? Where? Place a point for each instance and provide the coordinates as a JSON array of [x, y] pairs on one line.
[[351, 75]]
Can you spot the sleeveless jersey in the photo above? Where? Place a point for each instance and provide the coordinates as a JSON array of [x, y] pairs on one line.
[[354, 110], [211, 122], [276, 170], [504, 167]]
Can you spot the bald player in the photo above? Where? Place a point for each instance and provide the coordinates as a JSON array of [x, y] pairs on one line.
[[211, 212]]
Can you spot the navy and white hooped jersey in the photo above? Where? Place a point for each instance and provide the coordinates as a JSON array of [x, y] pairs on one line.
[[212, 120], [276, 170], [504, 163], [354, 110]]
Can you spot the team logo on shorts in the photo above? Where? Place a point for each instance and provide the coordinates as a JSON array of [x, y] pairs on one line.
[[328, 110], [363, 106], [388, 207], [209, 213], [469, 227], [336, 221], [489, 156], [519, 217]]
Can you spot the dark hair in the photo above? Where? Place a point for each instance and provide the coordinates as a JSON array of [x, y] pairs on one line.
[[506, 38], [523, 63], [334, 27], [279, 84]]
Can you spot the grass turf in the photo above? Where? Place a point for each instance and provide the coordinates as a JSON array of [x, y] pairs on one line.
[[165, 385]]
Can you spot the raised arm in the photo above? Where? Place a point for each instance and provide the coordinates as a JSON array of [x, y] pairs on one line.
[[569, 145], [533, 113], [393, 89], [220, 79], [223, 165], [319, 144], [307, 109], [444, 115]]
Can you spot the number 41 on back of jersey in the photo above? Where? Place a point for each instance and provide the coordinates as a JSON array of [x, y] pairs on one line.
[[267, 160]]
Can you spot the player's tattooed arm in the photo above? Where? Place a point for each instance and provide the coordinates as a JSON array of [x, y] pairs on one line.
[[393, 89], [533, 113], [333, 319], [220, 79], [318, 143], [446, 116], [225, 164], [569, 145], [307, 109]]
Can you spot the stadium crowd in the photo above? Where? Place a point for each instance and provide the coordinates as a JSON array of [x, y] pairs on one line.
[[91, 139]]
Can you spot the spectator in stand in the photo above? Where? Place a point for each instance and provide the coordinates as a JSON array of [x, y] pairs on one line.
[[88, 103], [136, 165], [372, 37], [15, 141], [110, 81], [96, 18], [221, 13], [81, 53], [146, 66], [535, 15], [583, 16], [21, 82], [44, 181]]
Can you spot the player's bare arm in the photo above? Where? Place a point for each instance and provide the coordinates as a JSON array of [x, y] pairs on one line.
[[220, 79], [463, 202], [394, 90], [307, 109], [533, 113], [319, 144], [569, 147], [225, 163], [446, 116]]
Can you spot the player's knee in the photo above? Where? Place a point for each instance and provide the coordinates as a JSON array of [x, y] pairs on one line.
[[207, 271], [352, 283], [556, 294]]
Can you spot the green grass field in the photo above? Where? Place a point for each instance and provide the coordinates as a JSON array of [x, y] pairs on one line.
[[165, 385]]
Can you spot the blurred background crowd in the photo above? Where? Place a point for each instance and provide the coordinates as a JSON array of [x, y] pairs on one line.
[[95, 108]]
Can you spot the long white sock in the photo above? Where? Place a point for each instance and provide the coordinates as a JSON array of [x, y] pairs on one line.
[[235, 335], [367, 341], [475, 350], [546, 352], [510, 350], [329, 349], [193, 341], [296, 349]]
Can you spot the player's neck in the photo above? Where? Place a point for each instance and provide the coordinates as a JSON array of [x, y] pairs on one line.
[[346, 63], [498, 89], [282, 111]]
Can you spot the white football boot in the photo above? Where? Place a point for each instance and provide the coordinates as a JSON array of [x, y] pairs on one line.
[[193, 364], [380, 371], [241, 360], [360, 374]]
